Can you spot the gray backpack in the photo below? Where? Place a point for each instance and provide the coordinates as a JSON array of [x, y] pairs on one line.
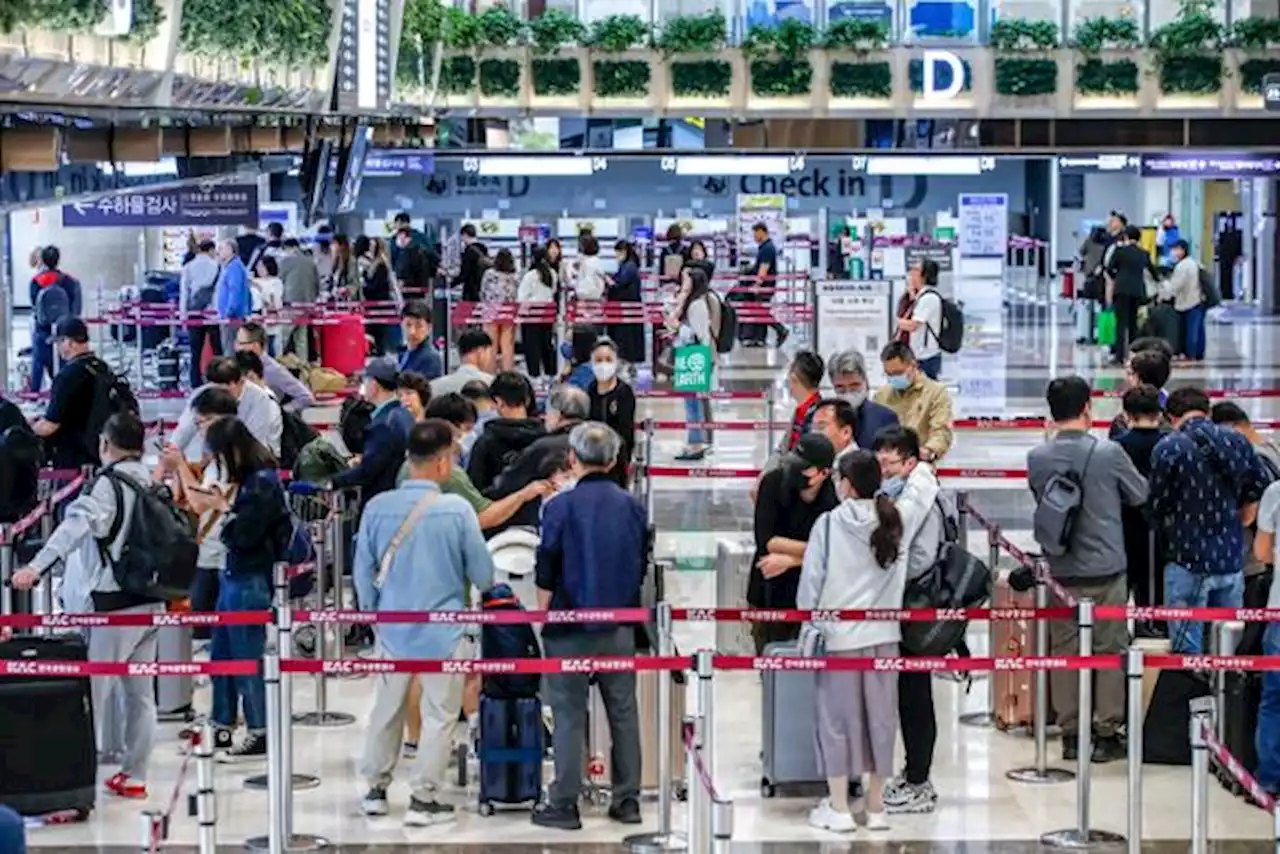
[[1059, 507]]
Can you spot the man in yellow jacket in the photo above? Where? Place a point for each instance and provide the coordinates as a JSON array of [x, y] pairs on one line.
[[920, 403]]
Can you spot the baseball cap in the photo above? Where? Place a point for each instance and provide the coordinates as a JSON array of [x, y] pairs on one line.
[[73, 328], [814, 450], [383, 372]]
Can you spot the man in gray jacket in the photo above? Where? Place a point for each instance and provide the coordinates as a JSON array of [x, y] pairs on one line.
[[1095, 563], [89, 585], [300, 278]]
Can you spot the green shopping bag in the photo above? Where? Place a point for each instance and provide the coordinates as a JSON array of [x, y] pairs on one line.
[[1105, 332], [693, 364]]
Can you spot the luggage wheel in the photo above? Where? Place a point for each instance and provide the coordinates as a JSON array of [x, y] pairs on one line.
[[767, 789], [486, 809], [681, 791]]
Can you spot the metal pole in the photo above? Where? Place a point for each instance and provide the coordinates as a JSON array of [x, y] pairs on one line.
[[1133, 675], [702, 664], [6, 569], [277, 796], [1201, 720], [1082, 836], [664, 839], [1224, 643], [322, 717], [42, 602], [206, 805], [987, 719], [695, 831], [1041, 772], [962, 518], [648, 479], [768, 418]]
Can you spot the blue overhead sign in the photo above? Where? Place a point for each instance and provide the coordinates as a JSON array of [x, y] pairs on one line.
[[388, 161], [215, 204]]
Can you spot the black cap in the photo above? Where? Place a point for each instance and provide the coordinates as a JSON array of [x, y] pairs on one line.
[[383, 372], [73, 328], [814, 450]]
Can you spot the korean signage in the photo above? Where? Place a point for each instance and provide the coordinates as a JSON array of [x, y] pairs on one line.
[[984, 225], [364, 55], [1092, 164], [1210, 165], [388, 161], [220, 204]]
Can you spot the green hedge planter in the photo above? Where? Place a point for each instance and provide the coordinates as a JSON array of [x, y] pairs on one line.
[[861, 80], [500, 78], [1024, 77], [781, 77], [627, 78], [711, 78], [1095, 77], [287, 32], [1253, 70], [458, 75], [1195, 74], [556, 77], [915, 75], [78, 16]]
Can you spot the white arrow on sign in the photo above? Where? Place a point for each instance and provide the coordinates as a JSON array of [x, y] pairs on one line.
[[79, 206]]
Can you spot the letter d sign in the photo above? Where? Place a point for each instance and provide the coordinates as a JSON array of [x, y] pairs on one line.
[[931, 91]]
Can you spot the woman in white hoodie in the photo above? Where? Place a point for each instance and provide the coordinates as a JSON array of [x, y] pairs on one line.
[[856, 559]]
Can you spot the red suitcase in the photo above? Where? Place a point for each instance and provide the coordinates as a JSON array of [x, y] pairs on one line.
[[343, 346]]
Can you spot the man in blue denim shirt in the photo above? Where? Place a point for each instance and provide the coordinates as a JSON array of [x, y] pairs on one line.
[[1205, 485], [418, 550], [1267, 742]]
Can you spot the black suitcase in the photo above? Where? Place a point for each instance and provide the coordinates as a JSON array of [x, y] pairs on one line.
[[1240, 725], [50, 757], [1166, 733]]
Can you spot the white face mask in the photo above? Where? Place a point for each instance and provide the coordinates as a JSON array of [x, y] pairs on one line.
[[854, 398], [604, 371]]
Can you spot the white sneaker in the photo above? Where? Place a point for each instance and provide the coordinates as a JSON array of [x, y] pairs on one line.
[[428, 813], [877, 821], [374, 802], [826, 817]]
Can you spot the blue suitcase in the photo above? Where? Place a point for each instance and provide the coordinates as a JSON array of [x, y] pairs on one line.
[[510, 752]]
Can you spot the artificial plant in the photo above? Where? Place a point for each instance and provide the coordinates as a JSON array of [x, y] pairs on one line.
[[421, 30], [1188, 50], [285, 33], [627, 78], [1256, 36], [549, 33], [1096, 76], [779, 58], [696, 35], [500, 78], [618, 33], [862, 79], [1019, 72], [78, 16]]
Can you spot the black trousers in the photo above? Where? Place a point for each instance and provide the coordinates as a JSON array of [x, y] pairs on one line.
[[919, 724], [539, 345], [198, 335], [1126, 309]]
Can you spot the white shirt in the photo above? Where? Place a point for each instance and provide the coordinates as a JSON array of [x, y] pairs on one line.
[[927, 310], [258, 410], [533, 289], [465, 373], [591, 282], [1268, 522]]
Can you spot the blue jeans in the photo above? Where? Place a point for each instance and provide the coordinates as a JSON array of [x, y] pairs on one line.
[[1186, 589], [1193, 332], [41, 361], [1268, 737], [695, 410], [240, 643], [932, 366]]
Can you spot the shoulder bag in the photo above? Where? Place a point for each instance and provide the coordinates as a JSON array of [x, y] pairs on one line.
[[384, 566]]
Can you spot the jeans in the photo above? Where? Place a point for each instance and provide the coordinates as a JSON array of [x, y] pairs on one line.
[[932, 366], [1193, 332], [240, 643], [1267, 740], [199, 335], [41, 361], [1186, 589], [696, 409]]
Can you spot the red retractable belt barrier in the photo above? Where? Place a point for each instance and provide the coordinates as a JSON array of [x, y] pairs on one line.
[[489, 666], [600, 615], [927, 663], [896, 615], [53, 669], [108, 619]]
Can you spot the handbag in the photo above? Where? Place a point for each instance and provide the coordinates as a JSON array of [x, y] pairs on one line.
[[1105, 334], [812, 641], [384, 566]]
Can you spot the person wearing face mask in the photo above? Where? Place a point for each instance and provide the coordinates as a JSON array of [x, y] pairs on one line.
[[925, 320], [384, 440], [924, 511], [613, 402], [920, 403], [804, 376], [848, 374], [791, 498]]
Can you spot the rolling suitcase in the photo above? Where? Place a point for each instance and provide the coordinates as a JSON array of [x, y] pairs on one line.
[[733, 570], [50, 759], [343, 345], [1014, 690], [599, 742], [510, 752], [789, 753], [1239, 724]]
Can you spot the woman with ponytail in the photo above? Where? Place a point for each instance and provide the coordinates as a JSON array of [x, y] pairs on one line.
[[856, 559]]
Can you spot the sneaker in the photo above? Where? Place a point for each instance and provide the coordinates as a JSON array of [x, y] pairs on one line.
[[252, 748], [826, 817], [626, 811], [123, 786], [692, 455], [877, 821], [558, 818], [1070, 748], [374, 801], [1109, 748], [428, 813], [895, 790], [409, 750], [912, 798]]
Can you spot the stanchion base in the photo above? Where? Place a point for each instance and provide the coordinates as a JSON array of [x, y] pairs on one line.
[[644, 843], [297, 842], [324, 719], [258, 782], [979, 720], [1074, 839], [1036, 775]]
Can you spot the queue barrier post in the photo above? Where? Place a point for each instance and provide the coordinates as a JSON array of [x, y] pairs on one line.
[[6, 570], [1040, 772], [694, 726], [962, 518], [206, 809], [768, 418], [1225, 638], [987, 719], [648, 461], [274, 840], [1201, 722], [664, 839], [152, 831], [1082, 836], [327, 536], [43, 601], [1133, 677]]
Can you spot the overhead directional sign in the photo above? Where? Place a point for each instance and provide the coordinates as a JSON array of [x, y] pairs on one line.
[[214, 204]]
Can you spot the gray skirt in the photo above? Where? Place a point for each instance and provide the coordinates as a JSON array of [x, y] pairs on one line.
[[857, 717]]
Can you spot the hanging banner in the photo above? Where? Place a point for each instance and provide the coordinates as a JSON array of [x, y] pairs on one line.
[[767, 208], [855, 315], [984, 225], [218, 204]]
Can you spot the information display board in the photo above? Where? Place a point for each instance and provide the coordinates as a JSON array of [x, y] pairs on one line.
[[854, 315]]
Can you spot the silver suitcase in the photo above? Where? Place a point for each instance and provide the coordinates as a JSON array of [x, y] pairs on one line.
[[174, 693], [733, 571], [600, 743], [790, 755]]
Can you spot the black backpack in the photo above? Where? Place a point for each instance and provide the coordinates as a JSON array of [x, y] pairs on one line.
[[353, 421], [726, 326], [295, 434], [52, 303], [111, 395], [1058, 508], [957, 579], [158, 555], [950, 333], [505, 641], [21, 454]]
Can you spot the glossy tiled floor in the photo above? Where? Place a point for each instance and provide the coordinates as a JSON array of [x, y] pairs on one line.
[[977, 802]]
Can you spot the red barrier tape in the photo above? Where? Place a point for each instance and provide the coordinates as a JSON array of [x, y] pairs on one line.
[[67, 491], [127, 668], [1061, 593], [489, 666], [930, 664], [661, 394], [719, 426], [704, 776], [730, 473], [491, 618], [1212, 662], [60, 474], [1228, 762], [27, 522], [895, 615], [985, 474], [118, 619]]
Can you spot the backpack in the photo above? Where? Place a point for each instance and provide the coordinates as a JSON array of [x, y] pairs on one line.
[[1058, 508], [318, 461], [1209, 289], [297, 549], [111, 395], [158, 554], [724, 323], [957, 579], [21, 454], [502, 641], [52, 303], [295, 434], [353, 421], [950, 332]]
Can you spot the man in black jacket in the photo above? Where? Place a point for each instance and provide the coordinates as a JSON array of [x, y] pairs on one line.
[[471, 267], [1127, 268], [415, 266], [504, 437]]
